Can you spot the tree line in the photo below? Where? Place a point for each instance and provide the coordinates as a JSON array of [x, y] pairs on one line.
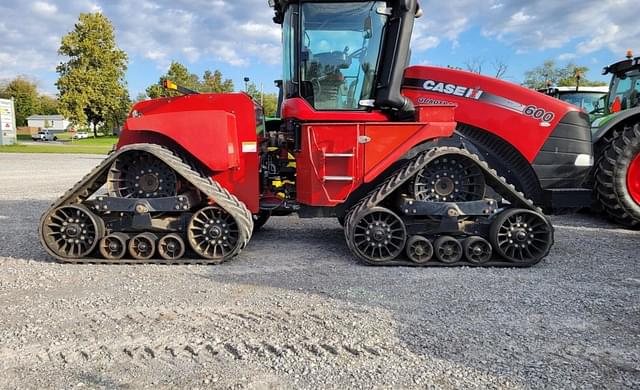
[[92, 90]]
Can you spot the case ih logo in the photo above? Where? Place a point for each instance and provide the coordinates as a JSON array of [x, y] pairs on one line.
[[452, 89]]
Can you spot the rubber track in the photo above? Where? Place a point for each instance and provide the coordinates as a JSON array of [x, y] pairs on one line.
[[607, 186], [402, 176], [95, 179]]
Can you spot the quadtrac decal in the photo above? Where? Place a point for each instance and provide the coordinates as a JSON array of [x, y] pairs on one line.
[[480, 95]]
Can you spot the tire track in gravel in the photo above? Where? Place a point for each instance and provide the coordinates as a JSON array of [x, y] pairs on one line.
[[166, 336]]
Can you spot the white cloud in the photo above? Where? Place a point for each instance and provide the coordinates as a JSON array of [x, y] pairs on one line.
[[241, 33], [533, 25], [566, 56], [44, 8]]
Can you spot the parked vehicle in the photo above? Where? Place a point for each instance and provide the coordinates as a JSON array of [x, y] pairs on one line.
[[44, 135], [194, 175], [81, 135], [616, 137], [590, 99]]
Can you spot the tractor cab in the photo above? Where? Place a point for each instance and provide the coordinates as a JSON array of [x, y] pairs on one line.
[[344, 56], [625, 86]]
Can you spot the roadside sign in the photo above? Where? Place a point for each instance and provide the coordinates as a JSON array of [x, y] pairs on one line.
[[8, 133]]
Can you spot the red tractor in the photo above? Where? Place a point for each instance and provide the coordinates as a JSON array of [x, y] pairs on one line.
[[194, 175]]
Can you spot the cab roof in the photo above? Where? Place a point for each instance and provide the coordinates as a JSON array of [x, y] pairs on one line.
[[622, 67]]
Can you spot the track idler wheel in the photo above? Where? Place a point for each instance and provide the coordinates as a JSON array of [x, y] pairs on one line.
[[477, 250], [419, 250], [114, 246], [378, 235], [448, 250], [171, 247], [521, 236], [71, 232], [213, 234], [143, 246]]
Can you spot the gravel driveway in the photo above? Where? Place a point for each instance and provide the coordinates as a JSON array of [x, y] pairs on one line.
[[295, 311]]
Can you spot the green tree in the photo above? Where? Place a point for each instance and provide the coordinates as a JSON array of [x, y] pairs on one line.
[[25, 94], [180, 75], [269, 101], [211, 82], [48, 105], [91, 84], [116, 119], [141, 97], [550, 73]]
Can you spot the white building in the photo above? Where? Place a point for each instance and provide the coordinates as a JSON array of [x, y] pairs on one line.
[[54, 123]]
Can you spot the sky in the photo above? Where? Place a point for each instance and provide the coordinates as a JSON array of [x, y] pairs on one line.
[[239, 38]]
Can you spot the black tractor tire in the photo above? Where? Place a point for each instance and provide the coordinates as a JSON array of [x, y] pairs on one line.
[[611, 183]]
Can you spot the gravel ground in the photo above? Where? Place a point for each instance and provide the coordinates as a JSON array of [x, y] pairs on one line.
[[295, 311]]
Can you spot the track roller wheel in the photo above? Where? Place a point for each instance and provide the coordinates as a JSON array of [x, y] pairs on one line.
[[419, 250], [114, 246], [378, 235], [71, 232], [477, 250], [448, 250], [143, 246], [213, 234], [521, 236], [171, 247]]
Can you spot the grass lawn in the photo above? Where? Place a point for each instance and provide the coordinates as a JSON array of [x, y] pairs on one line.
[[101, 145]]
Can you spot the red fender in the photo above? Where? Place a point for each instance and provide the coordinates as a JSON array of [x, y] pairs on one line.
[[218, 130]]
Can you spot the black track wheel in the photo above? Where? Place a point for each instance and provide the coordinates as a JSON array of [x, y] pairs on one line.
[[143, 246], [450, 179], [477, 250], [213, 234], [419, 250], [114, 246], [378, 235], [260, 219], [521, 236], [171, 247], [618, 177], [71, 232], [448, 250], [141, 175]]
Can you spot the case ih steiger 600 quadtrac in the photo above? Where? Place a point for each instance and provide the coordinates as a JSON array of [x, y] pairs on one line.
[[193, 174]]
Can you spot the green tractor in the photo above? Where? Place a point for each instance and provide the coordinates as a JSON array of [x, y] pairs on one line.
[[616, 137]]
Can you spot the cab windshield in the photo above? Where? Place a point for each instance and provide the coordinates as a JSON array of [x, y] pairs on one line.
[[339, 54], [588, 101], [626, 89]]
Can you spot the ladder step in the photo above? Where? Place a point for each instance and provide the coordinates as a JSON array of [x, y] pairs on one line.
[[338, 155], [338, 178]]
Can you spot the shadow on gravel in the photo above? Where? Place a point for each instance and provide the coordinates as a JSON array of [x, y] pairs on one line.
[[19, 230]]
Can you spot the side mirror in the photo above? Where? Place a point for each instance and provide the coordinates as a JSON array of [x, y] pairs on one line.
[[367, 33]]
